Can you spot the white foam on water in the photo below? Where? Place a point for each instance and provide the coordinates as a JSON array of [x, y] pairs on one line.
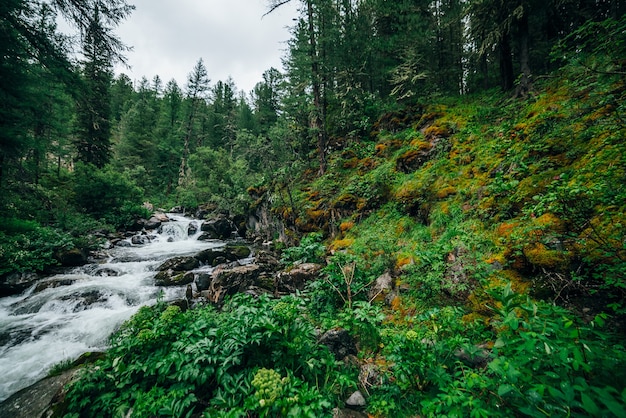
[[41, 329]]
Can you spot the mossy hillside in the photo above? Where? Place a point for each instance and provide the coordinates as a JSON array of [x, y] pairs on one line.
[[533, 186]]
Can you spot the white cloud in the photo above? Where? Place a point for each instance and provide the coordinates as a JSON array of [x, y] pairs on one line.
[[231, 36]]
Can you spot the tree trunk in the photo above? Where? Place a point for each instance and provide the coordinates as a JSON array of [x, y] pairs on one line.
[[317, 122], [524, 84], [506, 64]]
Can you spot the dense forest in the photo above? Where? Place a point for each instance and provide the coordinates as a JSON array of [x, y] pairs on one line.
[[473, 151]]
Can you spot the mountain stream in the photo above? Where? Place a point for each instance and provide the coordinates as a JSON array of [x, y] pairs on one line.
[[69, 314]]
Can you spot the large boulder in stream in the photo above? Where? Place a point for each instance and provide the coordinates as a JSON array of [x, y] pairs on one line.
[[72, 258], [220, 228], [15, 283], [230, 252], [180, 264], [175, 271], [173, 278]]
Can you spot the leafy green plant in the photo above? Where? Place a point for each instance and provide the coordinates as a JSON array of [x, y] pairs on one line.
[[170, 363], [27, 246], [310, 250], [544, 362]]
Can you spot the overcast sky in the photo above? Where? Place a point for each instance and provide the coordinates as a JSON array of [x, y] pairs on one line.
[[231, 36]]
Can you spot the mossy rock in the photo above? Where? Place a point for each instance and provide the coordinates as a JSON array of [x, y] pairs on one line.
[[173, 278], [237, 251], [412, 160], [539, 255]]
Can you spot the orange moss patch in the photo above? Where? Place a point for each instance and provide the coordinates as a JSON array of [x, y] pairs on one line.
[[346, 226], [341, 244], [316, 215], [367, 164], [470, 318], [421, 145], [539, 255], [383, 149], [496, 258], [506, 229], [550, 221], [396, 304], [351, 163], [437, 131], [411, 160], [445, 192], [404, 260]]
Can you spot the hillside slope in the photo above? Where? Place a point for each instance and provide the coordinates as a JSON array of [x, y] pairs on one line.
[[470, 193]]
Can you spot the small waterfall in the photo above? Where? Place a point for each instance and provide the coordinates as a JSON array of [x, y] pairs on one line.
[[69, 314]]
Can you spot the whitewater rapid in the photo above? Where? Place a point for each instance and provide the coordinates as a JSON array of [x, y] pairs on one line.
[[84, 306]]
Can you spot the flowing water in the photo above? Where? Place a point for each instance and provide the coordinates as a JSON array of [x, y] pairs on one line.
[[82, 307]]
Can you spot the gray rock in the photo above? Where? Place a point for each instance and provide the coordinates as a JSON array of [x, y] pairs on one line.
[[222, 227], [356, 400], [152, 223], [229, 281], [381, 287], [297, 278], [140, 240], [192, 229], [203, 281], [53, 283], [72, 258], [207, 236], [180, 264], [15, 283], [173, 278], [214, 257]]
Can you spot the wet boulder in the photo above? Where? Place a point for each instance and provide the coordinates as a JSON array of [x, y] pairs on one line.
[[15, 283], [203, 281], [173, 278], [72, 258], [140, 240], [230, 252], [192, 229], [53, 283], [152, 223], [221, 228], [182, 263]]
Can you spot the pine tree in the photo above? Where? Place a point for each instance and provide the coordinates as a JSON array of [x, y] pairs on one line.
[[93, 136]]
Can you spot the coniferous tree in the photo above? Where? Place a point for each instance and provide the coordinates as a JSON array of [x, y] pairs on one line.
[[93, 136], [197, 89]]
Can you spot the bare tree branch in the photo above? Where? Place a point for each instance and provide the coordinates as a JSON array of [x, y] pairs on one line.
[[275, 5]]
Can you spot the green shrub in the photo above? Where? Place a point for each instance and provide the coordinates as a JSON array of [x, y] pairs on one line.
[[310, 250], [535, 359], [27, 246], [108, 195]]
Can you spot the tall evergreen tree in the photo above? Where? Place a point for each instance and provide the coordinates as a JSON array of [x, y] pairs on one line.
[[311, 21], [197, 89], [93, 136]]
